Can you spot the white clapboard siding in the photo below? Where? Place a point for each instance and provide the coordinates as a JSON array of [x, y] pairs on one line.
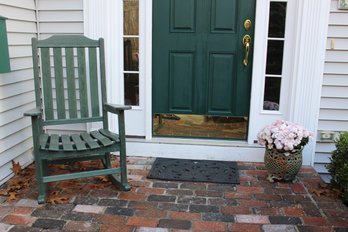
[[335, 80], [333, 114], [61, 17], [333, 103], [17, 86], [17, 39], [337, 56], [337, 43], [66, 5]]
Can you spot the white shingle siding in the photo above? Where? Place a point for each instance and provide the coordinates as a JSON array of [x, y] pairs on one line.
[[16, 87], [334, 98]]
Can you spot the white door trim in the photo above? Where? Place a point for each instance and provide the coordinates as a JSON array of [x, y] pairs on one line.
[[305, 53]]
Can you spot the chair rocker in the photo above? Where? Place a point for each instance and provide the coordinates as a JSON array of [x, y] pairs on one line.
[[70, 88]]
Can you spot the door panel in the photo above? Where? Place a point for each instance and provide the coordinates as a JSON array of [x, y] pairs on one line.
[[181, 82], [198, 57], [221, 20], [220, 84], [182, 15]]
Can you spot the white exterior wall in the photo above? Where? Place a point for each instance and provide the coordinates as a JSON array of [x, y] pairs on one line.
[[60, 17], [27, 19], [333, 114], [17, 86]]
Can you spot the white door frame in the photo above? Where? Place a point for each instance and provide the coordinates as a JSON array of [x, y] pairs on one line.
[[300, 97]]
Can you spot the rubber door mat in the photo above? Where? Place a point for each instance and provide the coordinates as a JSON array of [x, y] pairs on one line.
[[195, 170]]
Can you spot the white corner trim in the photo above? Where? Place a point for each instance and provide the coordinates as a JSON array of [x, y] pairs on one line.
[[307, 77], [104, 19]]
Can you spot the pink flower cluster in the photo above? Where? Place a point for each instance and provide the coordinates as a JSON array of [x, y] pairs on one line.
[[284, 135]]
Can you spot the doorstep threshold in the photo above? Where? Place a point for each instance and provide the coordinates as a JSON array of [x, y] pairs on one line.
[[190, 141]]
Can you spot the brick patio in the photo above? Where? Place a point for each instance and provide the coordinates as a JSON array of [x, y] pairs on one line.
[[153, 205]]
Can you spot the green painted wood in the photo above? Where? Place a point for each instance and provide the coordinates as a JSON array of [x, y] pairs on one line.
[[72, 41], [89, 140], [72, 121], [53, 143], [110, 135], [44, 140], [4, 53], [47, 83], [81, 60], [93, 74], [70, 71], [221, 84], [61, 148], [81, 175], [79, 144], [181, 80], [58, 76], [101, 138], [37, 82], [198, 57], [67, 144], [103, 81]]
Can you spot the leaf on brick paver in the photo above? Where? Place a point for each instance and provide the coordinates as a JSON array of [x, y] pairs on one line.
[[55, 198], [4, 192], [327, 190], [103, 179], [12, 196], [16, 167]]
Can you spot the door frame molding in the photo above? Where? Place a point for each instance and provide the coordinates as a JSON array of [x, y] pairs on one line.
[[306, 55]]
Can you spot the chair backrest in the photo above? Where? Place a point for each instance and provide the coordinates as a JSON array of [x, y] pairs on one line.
[[69, 74]]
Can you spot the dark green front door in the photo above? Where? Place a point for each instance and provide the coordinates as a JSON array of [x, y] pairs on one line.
[[198, 57]]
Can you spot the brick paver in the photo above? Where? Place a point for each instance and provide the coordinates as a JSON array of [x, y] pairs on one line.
[[168, 206]]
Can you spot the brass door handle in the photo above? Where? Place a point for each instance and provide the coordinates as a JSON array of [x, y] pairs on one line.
[[246, 43]]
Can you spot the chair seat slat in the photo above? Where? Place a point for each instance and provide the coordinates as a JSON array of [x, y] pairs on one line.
[[80, 145], [101, 138], [110, 135], [54, 143], [67, 145], [43, 140], [89, 140]]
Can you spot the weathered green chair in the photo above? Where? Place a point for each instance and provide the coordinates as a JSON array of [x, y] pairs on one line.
[[69, 77]]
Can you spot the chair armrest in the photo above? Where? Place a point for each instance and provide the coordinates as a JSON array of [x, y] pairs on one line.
[[33, 113], [113, 108]]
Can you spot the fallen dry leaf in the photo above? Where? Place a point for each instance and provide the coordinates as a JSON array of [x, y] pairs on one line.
[[16, 167], [57, 200], [103, 179], [12, 196], [4, 192]]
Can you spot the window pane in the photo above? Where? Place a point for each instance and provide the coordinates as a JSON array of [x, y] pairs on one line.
[[277, 19], [131, 89], [131, 17], [272, 93], [274, 57], [131, 54]]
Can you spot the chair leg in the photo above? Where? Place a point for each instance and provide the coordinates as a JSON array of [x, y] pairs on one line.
[[42, 187], [121, 183]]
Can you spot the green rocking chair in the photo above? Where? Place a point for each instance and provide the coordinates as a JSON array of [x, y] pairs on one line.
[[70, 88]]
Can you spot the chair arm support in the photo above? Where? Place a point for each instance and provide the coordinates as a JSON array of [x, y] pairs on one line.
[[33, 113], [113, 108]]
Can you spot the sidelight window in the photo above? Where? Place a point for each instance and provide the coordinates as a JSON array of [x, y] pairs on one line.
[[131, 51], [275, 51]]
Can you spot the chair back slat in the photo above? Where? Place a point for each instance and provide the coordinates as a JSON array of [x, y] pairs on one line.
[[93, 78], [72, 79], [47, 83], [70, 72], [81, 61], [58, 76]]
